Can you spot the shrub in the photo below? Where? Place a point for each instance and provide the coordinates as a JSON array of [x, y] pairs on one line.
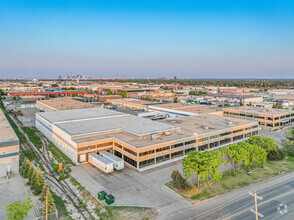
[[55, 167], [276, 155], [178, 181]]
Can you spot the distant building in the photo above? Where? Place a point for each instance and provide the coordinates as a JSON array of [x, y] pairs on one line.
[[61, 104], [268, 118]]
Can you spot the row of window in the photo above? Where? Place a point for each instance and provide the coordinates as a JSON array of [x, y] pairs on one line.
[[162, 149], [130, 151], [146, 153], [258, 116], [177, 145]]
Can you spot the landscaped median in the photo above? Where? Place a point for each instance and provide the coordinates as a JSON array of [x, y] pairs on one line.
[[228, 182]]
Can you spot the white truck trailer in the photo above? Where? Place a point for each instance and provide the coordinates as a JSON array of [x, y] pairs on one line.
[[117, 162], [101, 163]]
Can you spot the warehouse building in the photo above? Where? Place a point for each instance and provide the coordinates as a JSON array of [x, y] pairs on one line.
[[140, 142], [135, 104], [233, 98], [9, 148], [61, 104], [268, 118]]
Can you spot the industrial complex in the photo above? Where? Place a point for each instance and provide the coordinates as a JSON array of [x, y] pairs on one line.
[[140, 142], [268, 118]]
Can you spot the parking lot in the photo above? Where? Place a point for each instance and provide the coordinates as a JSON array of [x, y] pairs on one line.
[[29, 115], [133, 188], [10, 191]]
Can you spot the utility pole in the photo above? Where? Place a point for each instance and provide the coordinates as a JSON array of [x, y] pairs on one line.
[[46, 208], [256, 211]]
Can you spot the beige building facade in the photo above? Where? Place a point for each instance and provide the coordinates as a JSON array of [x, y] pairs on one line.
[[9, 148]]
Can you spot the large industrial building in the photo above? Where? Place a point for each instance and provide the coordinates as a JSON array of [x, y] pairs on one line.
[[142, 143], [233, 98], [48, 92], [9, 148], [268, 118], [61, 104]]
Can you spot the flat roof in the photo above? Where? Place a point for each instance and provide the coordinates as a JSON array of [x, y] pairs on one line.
[[230, 95], [134, 140], [7, 134], [134, 101], [78, 114], [204, 123], [129, 123], [193, 108], [188, 127], [65, 103], [260, 110]]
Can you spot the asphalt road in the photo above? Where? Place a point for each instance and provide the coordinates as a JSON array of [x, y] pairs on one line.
[[277, 191]]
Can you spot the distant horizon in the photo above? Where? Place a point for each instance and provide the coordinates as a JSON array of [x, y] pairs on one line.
[[159, 78]]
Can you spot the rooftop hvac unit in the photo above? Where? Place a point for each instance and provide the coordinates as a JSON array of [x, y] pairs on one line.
[[155, 136], [167, 133]]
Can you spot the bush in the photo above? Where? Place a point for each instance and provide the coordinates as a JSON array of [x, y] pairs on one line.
[[55, 167], [178, 181], [276, 155]]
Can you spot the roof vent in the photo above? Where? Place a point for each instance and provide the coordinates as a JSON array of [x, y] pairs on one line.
[[155, 136], [167, 133]]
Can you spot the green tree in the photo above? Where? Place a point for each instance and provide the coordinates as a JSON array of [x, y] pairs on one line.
[[50, 202], [204, 164], [235, 154], [109, 92], [39, 183], [33, 179], [24, 167], [123, 94], [215, 161], [30, 173], [43, 194], [175, 99], [276, 155], [267, 143], [253, 154], [196, 162], [19, 210], [288, 142]]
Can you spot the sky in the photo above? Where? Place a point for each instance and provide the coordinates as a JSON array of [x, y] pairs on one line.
[[147, 38]]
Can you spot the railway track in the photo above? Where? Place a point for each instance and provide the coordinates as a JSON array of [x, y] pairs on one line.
[[51, 176], [45, 147]]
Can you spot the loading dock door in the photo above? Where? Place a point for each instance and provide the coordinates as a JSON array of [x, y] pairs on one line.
[[82, 158]]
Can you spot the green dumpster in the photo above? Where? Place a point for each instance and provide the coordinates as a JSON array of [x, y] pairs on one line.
[[109, 199], [101, 195]]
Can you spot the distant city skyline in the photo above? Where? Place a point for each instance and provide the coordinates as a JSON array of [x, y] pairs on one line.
[[147, 39]]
